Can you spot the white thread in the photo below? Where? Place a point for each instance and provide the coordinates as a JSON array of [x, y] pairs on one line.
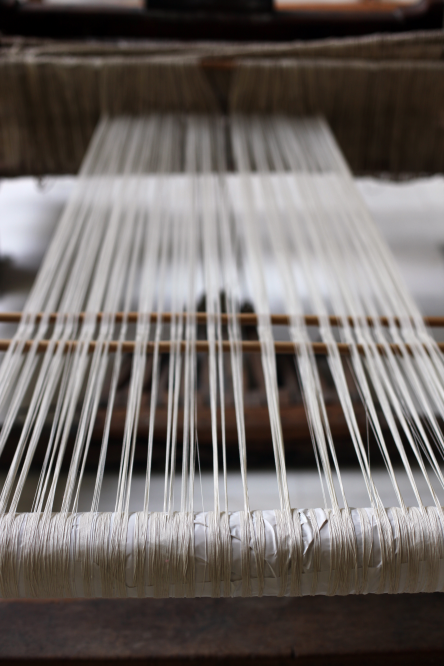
[[156, 241]]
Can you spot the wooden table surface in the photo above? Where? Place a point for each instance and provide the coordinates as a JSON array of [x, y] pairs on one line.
[[402, 629]]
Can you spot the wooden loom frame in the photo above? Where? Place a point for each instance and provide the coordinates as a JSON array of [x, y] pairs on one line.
[[378, 630]]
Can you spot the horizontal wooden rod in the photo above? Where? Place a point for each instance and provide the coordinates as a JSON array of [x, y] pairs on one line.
[[245, 319], [252, 346]]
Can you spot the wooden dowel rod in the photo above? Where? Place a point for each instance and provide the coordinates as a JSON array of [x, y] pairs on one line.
[[252, 346], [246, 319]]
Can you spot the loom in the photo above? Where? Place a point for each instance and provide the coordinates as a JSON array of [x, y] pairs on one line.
[[365, 342], [158, 218]]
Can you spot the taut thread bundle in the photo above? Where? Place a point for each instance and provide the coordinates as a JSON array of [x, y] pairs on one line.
[[168, 212]]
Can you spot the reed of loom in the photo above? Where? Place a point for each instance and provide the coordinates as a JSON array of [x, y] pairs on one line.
[[375, 92]]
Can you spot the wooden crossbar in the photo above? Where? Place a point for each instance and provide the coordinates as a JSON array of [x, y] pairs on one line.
[[253, 346], [245, 319]]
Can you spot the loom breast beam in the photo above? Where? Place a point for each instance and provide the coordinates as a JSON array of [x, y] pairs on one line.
[[168, 212]]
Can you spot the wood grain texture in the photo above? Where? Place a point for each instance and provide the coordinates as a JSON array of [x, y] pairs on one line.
[[382, 629]]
